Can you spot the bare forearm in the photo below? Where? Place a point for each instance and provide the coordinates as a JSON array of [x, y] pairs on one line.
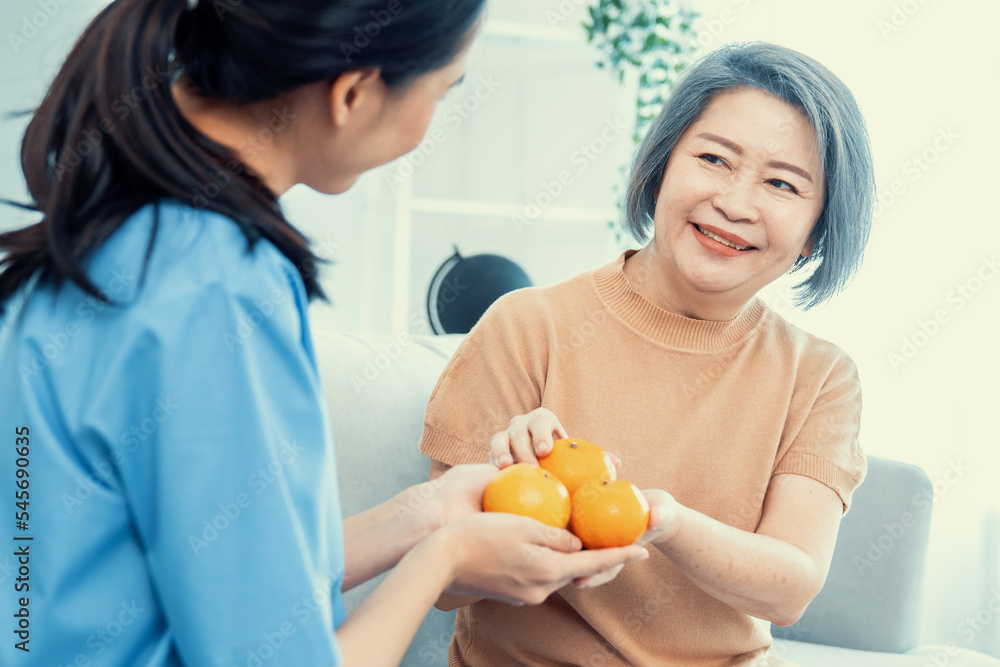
[[379, 631], [756, 574], [376, 539]]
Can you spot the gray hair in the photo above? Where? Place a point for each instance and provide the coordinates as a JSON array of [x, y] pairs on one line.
[[841, 232]]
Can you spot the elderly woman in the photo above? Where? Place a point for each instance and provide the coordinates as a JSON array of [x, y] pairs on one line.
[[742, 427]]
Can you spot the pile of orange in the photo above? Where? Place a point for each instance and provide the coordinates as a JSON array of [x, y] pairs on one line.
[[575, 486]]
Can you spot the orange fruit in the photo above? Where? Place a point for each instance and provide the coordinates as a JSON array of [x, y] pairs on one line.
[[608, 514], [528, 490], [575, 461]]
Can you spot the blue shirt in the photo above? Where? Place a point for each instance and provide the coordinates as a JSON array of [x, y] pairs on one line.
[[182, 502]]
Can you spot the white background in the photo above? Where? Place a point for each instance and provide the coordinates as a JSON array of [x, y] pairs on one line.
[[936, 73]]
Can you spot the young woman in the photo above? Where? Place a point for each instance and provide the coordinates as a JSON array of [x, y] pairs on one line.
[[743, 428], [175, 474]]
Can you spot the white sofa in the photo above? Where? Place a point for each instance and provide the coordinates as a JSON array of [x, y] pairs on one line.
[[377, 388]]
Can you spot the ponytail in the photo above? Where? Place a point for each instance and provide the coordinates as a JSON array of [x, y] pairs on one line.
[[108, 139]]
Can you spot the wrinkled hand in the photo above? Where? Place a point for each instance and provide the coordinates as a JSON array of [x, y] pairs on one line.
[[518, 560], [528, 438], [664, 514]]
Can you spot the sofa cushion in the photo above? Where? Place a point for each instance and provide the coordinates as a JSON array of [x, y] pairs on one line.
[[377, 388], [818, 655]]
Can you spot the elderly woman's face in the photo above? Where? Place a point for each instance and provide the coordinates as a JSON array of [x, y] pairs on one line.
[[740, 195]]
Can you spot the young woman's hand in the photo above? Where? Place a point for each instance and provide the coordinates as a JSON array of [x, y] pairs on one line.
[[521, 561], [457, 493], [528, 438]]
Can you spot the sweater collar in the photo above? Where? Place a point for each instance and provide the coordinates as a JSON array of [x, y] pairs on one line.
[[670, 329]]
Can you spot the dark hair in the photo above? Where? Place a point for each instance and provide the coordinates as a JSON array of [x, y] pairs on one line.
[[841, 232], [108, 138]]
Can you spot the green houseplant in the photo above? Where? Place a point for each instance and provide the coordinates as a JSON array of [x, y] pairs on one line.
[[656, 39]]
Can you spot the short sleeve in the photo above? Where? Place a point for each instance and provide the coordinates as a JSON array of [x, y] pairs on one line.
[[213, 412], [826, 446], [497, 373]]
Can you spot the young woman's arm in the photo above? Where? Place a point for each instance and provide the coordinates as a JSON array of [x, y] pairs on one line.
[[500, 556], [376, 539], [447, 601], [772, 574]]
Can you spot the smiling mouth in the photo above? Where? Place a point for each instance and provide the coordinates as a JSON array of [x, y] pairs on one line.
[[725, 242]]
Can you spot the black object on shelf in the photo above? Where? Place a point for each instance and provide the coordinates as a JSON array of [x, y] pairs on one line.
[[463, 288]]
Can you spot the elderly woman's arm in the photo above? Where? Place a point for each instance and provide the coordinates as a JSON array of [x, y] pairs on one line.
[[772, 574]]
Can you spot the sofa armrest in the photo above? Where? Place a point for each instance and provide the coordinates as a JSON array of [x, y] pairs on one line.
[[950, 655], [872, 597]]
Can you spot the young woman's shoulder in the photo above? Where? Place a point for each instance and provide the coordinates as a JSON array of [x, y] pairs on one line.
[[167, 251]]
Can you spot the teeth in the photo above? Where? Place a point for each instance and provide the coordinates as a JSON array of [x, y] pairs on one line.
[[721, 240]]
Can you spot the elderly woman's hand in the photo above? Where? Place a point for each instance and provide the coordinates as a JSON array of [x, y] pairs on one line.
[[663, 524], [664, 517], [529, 438]]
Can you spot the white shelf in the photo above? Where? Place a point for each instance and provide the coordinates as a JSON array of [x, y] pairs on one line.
[[490, 209], [523, 33]]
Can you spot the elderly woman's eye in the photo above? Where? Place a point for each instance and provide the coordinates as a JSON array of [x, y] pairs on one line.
[[711, 159], [783, 185]]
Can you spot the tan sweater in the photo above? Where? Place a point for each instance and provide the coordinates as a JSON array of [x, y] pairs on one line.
[[708, 411]]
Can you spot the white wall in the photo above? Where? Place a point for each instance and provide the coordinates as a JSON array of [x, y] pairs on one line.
[[936, 407], [936, 73], [33, 43]]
